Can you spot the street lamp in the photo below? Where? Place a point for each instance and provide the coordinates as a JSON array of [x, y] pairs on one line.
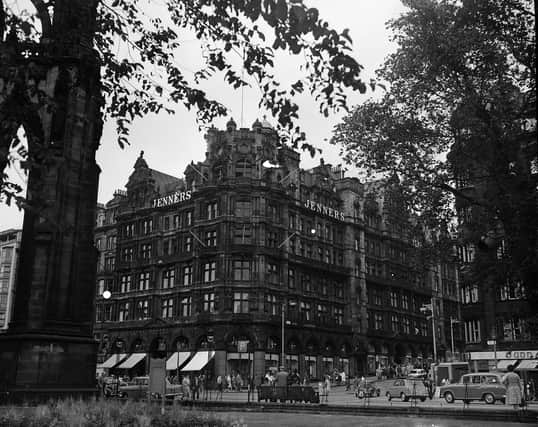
[[430, 308], [270, 165], [452, 321], [107, 294]]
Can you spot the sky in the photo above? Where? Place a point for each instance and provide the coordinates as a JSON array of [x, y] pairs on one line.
[[170, 142]]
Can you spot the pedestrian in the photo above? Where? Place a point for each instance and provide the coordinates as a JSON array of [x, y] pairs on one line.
[[513, 387], [186, 386], [229, 382], [327, 388], [220, 387]]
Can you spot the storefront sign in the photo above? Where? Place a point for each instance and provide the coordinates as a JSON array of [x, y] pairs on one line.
[[513, 354], [324, 210], [172, 199]]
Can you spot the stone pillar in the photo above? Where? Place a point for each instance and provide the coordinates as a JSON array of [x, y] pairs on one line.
[[259, 366], [220, 363], [49, 349]]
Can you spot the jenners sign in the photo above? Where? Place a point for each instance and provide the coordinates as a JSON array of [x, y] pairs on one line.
[[324, 210], [171, 199]]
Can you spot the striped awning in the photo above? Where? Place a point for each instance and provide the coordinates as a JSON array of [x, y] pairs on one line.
[[199, 361], [503, 364], [529, 365], [177, 359], [132, 360], [113, 360]]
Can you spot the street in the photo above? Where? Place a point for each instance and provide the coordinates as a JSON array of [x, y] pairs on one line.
[[260, 419]]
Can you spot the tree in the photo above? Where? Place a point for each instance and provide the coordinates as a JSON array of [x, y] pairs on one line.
[[457, 124], [136, 44]]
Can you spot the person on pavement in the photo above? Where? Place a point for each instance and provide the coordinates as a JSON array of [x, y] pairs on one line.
[[513, 387]]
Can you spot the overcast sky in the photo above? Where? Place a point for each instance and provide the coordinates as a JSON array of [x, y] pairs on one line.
[[170, 142]]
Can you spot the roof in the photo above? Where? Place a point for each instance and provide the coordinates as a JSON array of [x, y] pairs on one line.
[[165, 183]]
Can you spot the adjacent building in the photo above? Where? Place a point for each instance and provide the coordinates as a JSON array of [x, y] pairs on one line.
[[249, 261], [10, 241]]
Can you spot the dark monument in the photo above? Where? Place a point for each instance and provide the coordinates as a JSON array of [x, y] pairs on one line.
[[52, 89]]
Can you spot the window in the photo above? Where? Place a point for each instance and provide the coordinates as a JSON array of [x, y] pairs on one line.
[[243, 209], [211, 238], [241, 270], [176, 221], [209, 302], [272, 273], [209, 269], [212, 210], [327, 256], [324, 287], [405, 302], [243, 235], [147, 226], [306, 282], [393, 299], [323, 313], [378, 319], [469, 294], [188, 219], [272, 212], [187, 275], [291, 278], [243, 168], [143, 281], [406, 325], [142, 310], [188, 244], [513, 329], [394, 323], [145, 251], [305, 311], [339, 315], [167, 247], [123, 311], [272, 238], [511, 291], [293, 246], [168, 278], [166, 223], [127, 254], [271, 305], [125, 283], [472, 331], [185, 306], [240, 302], [110, 263], [291, 221], [100, 287], [339, 290], [167, 308], [466, 253], [129, 230]]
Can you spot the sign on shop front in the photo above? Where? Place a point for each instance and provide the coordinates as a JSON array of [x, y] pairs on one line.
[[324, 210], [171, 199], [510, 354]]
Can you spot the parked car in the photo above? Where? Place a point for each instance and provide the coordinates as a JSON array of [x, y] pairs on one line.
[[406, 389], [486, 386], [138, 388], [367, 390], [417, 373]]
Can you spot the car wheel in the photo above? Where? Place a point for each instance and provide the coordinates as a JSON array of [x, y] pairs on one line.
[[360, 394], [423, 399], [489, 399], [449, 397], [378, 392], [403, 397], [389, 397]]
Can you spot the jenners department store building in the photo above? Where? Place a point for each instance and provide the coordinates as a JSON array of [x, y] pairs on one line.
[[237, 259]]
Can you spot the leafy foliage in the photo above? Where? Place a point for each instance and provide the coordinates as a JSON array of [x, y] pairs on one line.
[[457, 123]]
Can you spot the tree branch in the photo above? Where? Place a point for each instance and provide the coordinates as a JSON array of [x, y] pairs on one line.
[[2, 20], [44, 17]]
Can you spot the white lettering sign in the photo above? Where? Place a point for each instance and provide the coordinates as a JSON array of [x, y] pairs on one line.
[[172, 199], [324, 210], [514, 354]]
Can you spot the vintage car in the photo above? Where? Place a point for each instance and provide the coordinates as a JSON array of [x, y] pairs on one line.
[[138, 388], [486, 386], [406, 389], [367, 390]]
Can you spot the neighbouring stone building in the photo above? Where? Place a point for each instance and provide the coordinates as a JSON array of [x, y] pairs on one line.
[[10, 241]]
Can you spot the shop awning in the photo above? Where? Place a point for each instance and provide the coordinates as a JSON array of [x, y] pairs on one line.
[[528, 365], [113, 360], [177, 359], [503, 364], [132, 360], [199, 360]]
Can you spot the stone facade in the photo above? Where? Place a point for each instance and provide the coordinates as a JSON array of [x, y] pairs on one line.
[[248, 241]]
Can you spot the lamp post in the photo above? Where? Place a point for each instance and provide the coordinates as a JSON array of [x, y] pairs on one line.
[[452, 321], [282, 351]]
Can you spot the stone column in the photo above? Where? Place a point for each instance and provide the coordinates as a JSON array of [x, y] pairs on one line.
[[49, 349]]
